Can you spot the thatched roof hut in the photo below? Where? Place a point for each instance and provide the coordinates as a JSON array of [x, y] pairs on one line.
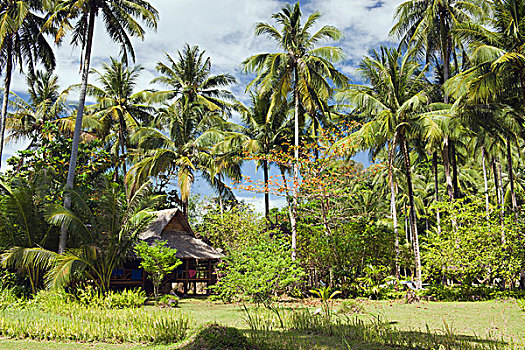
[[172, 227]]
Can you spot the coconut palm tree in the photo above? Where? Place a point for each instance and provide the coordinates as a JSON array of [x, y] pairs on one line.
[[190, 76], [428, 26], [263, 132], [22, 42], [106, 236], [301, 69], [189, 123], [180, 146], [45, 104], [394, 98], [119, 109], [120, 21]]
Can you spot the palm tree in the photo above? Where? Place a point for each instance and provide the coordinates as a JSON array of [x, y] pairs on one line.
[[428, 26], [181, 145], [189, 124], [264, 131], [190, 76], [22, 42], [46, 104], [106, 236], [119, 19], [119, 109], [394, 99], [300, 69], [22, 218], [497, 57]]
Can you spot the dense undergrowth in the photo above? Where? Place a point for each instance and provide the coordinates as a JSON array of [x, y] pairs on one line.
[[58, 316]]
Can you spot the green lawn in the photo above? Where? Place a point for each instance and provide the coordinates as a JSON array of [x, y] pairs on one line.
[[500, 319]]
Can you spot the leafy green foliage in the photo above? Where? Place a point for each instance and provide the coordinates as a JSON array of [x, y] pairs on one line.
[[158, 260], [128, 298], [57, 316], [471, 250], [259, 271]]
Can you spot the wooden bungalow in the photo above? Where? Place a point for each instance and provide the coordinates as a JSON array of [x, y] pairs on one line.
[[198, 258]]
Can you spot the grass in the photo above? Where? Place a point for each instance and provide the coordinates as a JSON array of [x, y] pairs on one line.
[[471, 320]]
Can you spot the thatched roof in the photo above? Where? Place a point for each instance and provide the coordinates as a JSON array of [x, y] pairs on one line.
[[186, 243]]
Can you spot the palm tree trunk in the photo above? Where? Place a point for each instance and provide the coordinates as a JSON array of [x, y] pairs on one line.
[[290, 204], [393, 208], [498, 198], [5, 101], [436, 190], [295, 166], [487, 206], [266, 193], [78, 127], [446, 166], [502, 203], [412, 209], [511, 179], [454, 165]]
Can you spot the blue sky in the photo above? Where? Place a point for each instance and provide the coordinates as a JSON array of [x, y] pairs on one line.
[[225, 29]]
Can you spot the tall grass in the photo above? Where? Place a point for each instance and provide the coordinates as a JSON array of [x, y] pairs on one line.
[[354, 333], [53, 318]]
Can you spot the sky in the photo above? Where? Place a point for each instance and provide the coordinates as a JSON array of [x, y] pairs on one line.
[[225, 30]]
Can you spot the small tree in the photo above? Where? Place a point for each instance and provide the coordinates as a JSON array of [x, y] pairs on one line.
[[158, 260]]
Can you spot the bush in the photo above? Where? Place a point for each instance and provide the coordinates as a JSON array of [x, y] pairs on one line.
[[128, 298], [216, 337], [468, 293], [258, 272], [10, 299], [168, 301]]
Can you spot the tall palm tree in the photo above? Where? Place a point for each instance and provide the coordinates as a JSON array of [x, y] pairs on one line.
[[120, 21], [301, 69], [46, 103], [264, 131], [497, 59], [190, 76], [119, 109], [22, 42], [180, 146], [428, 26], [189, 124], [395, 97]]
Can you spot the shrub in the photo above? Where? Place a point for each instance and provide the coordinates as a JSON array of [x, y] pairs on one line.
[[10, 299], [216, 337], [258, 272], [127, 298], [158, 260], [168, 301]]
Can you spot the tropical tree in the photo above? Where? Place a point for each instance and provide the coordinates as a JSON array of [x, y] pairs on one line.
[[395, 97], [301, 69], [496, 58], [189, 123], [428, 25], [105, 235], [180, 146], [45, 104], [120, 21], [190, 76], [119, 110], [264, 131], [22, 42], [22, 221]]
